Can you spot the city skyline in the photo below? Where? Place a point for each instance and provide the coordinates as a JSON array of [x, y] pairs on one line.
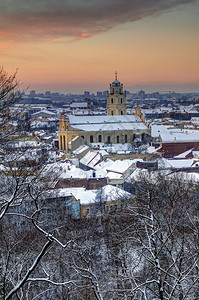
[[70, 46]]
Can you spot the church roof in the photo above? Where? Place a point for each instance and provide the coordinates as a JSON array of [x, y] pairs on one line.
[[116, 81], [107, 123]]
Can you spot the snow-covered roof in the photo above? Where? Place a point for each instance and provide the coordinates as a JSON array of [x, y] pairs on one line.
[[114, 175], [184, 154], [156, 130], [180, 137], [80, 149], [105, 164], [177, 163], [152, 149], [107, 123], [196, 153], [44, 112], [75, 138], [94, 161], [79, 104], [120, 166], [108, 193], [87, 158], [102, 152], [24, 144]]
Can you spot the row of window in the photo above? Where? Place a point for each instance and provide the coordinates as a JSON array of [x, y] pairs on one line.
[[63, 142], [112, 113], [108, 208], [108, 139], [115, 90], [121, 100]]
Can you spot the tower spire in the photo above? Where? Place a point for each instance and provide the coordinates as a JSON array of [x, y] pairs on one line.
[[115, 75]]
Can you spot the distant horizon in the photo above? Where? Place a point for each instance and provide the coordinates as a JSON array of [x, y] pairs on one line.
[[131, 89]]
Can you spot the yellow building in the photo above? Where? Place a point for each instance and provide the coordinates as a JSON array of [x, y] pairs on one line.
[[95, 204], [114, 128]]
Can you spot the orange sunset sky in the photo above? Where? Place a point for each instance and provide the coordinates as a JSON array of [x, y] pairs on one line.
[[75, 45]]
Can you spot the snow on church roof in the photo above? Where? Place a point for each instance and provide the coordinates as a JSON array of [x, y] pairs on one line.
[[106, 123]]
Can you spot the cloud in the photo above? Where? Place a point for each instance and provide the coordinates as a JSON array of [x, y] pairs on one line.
[[22, 20]]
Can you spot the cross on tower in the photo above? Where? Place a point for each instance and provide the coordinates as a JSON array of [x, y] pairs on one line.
[[115, 75]]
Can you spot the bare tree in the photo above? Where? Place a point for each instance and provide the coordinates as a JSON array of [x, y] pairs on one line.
[[167, 235], [23, 193]]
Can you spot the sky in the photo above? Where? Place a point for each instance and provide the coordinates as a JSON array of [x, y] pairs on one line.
[[71, 46]]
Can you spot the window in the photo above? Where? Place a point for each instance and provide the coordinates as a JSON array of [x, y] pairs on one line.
[[91, 138], [121, 100], [100, 138], [109, 139], [118, 139], [61, 146], [112, 100], [107, 208], [92, 210], [82, 137], [111, 112], [125, 138], [121, 112], [64, 142], [88, 211]]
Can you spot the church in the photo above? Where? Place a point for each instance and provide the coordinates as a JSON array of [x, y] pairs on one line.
[[114, 128]]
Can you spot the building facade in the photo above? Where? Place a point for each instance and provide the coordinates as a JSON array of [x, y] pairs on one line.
[[115, 128]]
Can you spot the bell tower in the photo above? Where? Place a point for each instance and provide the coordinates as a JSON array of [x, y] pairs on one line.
[[116, 99], [63, 123], [66, 133]]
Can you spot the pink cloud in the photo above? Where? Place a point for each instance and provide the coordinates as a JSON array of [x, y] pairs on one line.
[[77, 19]]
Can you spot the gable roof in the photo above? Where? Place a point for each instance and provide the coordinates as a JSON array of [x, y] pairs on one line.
[[107, 123]]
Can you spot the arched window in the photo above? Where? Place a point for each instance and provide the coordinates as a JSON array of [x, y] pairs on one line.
[[64, 142], [125, 138], [61, 143], [111, 112], [111, 100], [121, 100], [109, 139], [82, 137], [118, 139], [91, 138], [100, 138], [121, 112]]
